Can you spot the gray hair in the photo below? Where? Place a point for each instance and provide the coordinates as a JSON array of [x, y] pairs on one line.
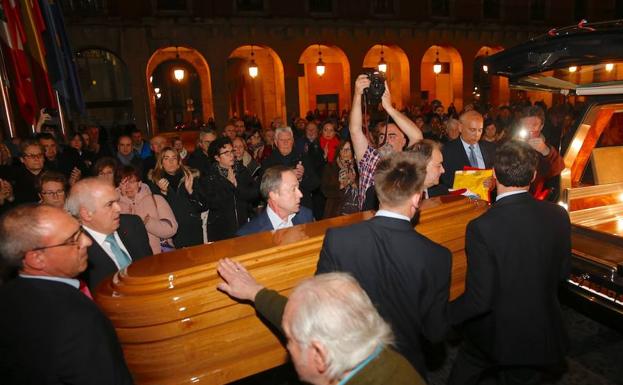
[[283, 130], [21, 230], [452, 122], [334, 310], [81, 195], [271, 180]]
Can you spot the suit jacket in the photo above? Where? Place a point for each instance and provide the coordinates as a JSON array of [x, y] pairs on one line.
[[262, 222], [134, 237], [388, 367], [517, 254], [53, 334], [406, 275], [455, 158]]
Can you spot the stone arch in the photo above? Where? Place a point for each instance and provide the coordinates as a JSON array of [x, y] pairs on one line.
[[191, 59], [263, 95], [489, 88], [448, 85], [106, 85], [330, 91], [397, 74]]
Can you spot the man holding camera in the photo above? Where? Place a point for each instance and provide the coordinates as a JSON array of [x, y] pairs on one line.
[[550, 162], [391, 139]]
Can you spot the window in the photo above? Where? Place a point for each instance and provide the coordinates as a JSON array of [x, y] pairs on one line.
[[321, 6], [105, 83], [250, 5], [383, 7], [82, 7], [171, 5], [491, 9], [440, 8], [537, 10]]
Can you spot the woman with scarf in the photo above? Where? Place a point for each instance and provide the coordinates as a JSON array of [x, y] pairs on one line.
[[179, 185], [339, 182], [329, 141], [230, 190], [136, 198]]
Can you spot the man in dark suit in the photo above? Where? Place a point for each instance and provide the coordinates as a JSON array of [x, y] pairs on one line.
[[517, 254], [51, 332], [280, 188], [406, 275], [467, 149], [300, 163], [118, 239]]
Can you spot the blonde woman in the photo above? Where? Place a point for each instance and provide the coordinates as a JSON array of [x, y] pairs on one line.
[[179, 185]]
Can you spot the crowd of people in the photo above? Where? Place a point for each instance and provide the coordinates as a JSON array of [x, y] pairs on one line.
[[110, 205]]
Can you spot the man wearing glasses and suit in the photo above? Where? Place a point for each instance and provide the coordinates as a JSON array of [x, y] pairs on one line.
[[51, 331]]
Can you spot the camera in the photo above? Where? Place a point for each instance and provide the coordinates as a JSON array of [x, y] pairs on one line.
[[376, 89], [54, 117]]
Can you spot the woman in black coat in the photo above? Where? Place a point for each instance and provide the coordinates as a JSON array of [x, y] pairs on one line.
[[230, 190], [179, 185]]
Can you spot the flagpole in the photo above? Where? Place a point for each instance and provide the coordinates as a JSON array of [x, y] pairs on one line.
[[61, 113], [6, 101]]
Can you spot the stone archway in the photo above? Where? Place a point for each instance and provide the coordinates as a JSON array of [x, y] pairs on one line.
[[397, 74], [446, 86], [489, 88], [263, 95], [191, 59], [329, 92]]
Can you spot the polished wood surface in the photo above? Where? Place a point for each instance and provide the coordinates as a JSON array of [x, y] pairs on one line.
[[177, 328]]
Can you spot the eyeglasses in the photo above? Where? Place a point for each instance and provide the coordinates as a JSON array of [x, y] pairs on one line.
[[71, 241], [228, 152], [33, 156], [53, 193]]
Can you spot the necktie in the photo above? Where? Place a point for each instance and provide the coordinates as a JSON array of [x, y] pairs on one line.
[[84, 289], [122, 258], [472, 156]]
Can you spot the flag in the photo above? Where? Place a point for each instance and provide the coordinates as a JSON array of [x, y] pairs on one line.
[[34, 27], [14, 37], [59, 57]]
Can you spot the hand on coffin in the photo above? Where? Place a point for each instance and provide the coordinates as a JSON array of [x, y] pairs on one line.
[[238, 282]]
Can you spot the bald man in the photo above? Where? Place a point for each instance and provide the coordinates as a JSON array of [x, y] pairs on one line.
[[467, 150], [118, 239], [52, 333]]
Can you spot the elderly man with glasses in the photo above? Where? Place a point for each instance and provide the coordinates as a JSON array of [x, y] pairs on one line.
[[52, 332]]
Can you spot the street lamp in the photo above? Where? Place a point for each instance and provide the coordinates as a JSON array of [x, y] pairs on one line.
[[178, 73], [437, 64], [382, 64], [253, 69], [320, 67]]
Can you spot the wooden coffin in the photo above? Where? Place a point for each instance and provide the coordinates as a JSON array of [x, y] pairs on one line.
[[176, 328]]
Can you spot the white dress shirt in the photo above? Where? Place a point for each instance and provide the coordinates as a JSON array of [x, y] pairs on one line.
[[276, 220], [101, 240]]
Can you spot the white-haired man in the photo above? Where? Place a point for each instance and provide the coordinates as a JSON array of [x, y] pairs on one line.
[[334, 334], [118, 239], [299, 162]]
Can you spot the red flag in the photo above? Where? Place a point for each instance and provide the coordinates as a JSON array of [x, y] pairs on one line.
[[34, 26], [14, 37]]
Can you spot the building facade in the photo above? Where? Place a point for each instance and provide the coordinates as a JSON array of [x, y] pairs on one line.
[[127, 53]]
